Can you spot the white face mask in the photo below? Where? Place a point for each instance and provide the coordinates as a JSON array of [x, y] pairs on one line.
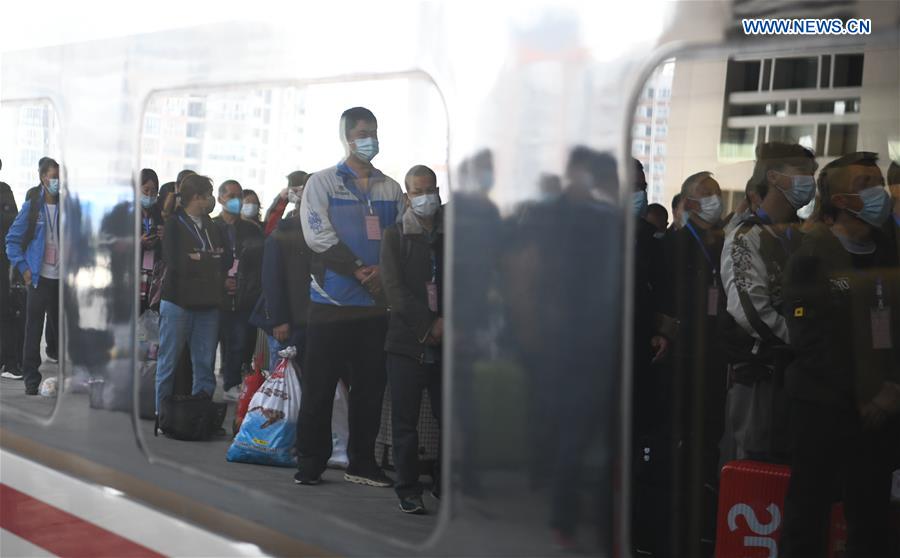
[[249, 210], [710, 208], [425, 205], [294, 195]]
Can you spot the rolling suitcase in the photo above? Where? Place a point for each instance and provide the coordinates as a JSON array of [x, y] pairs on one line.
[[751, 509], [751, 512]]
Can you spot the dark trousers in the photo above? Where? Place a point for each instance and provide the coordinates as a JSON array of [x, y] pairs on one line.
[[833, 458], [233, 338], [11, 314], [407, 378], [342, 342], [42, 300]]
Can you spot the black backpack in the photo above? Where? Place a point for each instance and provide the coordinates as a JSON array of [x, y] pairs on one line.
[[190, 417]]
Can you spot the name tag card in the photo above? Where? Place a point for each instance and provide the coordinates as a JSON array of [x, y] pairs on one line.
[[373, 227], [712, 301], [881, 328], [431, 287], [147, 262], [50, 255]]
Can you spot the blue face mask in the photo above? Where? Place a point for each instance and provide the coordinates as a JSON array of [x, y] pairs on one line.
[[876, 205], [365, 148], [53, 186], [147, 201], [639, 202], [233, 206], [803, 190]]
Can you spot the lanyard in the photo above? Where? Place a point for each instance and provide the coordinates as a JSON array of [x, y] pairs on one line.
[[433, 266], [232, 239], [350, 184], [53, 228], [700, 243], [196, 232], [147, 225]]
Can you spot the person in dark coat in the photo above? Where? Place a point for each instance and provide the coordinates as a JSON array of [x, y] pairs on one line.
[[412, 267]]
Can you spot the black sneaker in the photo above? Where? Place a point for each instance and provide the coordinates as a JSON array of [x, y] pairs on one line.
[[299, 478], [376, 478], [12, 375], [31, 390], [412, 504]]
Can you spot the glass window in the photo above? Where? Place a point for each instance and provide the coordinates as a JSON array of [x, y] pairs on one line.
[[804, 134], [737, 143], [192, 151], [831, 106], [743, 75], [842, 139], [197, 109], [825, 76], [151, 125], [795, 73], [194, 129], [767, 75], [29, 130], [848, 70]]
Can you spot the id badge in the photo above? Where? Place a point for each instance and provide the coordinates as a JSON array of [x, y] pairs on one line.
[[234, 268], [431, 287], [50, 255], [712, 301], [881, 328], [147, 262], [373, 227]]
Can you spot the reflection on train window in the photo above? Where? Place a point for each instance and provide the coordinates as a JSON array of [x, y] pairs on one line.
[[272, 159], [759, 152], [29, 133]]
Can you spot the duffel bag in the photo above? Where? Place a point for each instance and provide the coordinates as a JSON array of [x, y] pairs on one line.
[[190, 417]]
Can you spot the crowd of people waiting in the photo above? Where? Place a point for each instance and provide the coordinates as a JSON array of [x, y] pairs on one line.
[[320, 278], [766, 334]]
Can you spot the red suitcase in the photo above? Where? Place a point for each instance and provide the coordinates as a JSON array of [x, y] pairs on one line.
[[751, 509]]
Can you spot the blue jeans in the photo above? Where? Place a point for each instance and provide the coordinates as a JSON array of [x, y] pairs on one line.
[[297, 340], [197, 329]]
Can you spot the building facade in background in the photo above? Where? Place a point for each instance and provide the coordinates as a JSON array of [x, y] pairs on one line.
[[651, 130], [831, 101]]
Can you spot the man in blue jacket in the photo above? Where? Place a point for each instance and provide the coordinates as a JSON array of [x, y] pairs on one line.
[[344, 211], [32, 246]]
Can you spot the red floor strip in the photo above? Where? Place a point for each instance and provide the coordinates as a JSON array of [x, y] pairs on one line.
[[60, 532]]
